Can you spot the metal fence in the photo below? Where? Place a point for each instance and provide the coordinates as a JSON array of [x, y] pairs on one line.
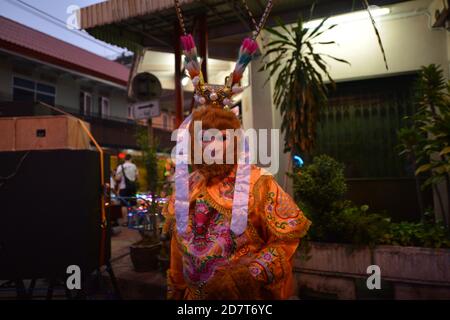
[[359, 126]]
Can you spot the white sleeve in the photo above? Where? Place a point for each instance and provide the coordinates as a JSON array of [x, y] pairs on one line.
[[119, 172]]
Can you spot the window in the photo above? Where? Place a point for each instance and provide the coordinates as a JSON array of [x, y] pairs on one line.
[[30, 91], [130, 112], [85, 103], [359, 126], [103, 106]]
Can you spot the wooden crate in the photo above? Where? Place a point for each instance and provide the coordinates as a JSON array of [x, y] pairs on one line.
[[45, 133]]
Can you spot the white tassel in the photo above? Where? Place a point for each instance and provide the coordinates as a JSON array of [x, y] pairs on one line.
[[237, 89]]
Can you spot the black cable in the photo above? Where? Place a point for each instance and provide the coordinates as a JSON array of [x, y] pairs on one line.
[[12, 175]]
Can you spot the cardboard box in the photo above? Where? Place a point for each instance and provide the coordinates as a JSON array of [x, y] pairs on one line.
[[44, 133], [7, 134]]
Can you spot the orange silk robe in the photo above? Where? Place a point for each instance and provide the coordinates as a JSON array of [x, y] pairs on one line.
[[275, 225]]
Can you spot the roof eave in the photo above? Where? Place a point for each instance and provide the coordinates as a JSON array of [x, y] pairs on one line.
[[42, 57]]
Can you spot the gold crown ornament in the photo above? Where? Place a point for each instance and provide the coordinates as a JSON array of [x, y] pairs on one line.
[[215, 95]]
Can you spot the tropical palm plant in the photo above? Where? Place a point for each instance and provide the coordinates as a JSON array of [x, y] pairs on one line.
[[433, 121], [426, 142], [300, 89]]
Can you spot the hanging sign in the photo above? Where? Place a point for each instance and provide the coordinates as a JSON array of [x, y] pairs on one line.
[[146, 110]]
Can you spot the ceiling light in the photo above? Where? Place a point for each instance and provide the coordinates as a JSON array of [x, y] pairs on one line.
[[349, 17]]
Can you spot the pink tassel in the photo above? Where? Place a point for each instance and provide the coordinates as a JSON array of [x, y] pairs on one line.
[[187, 42], [191, 42], [249, 45]]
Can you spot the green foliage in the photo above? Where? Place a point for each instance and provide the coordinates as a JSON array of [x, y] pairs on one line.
[[321, 183], [418, 234], [426, 143], [355, 224], [150, 159], [433, 121], [151, 164], [299, 90], [319, 189], [409, 139], [347, 223]]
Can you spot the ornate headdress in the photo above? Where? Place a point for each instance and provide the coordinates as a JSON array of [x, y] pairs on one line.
[[215, 95], [219, 95]]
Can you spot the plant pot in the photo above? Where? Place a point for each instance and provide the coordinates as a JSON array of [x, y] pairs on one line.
[[145, 256], [407, 273]]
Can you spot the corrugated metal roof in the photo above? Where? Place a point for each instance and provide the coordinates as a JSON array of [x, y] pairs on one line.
[[150, 23], [117, 10]]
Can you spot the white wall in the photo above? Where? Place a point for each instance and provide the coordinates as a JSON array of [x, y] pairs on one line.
[[260, 113], [408, 40]]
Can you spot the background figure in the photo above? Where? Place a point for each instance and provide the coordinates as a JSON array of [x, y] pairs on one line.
[[115, 203], [113, 184], [126, 176]]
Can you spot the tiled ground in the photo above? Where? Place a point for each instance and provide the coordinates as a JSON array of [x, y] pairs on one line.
[[134, 285]]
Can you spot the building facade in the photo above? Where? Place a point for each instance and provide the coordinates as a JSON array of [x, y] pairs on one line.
[[37, 67]]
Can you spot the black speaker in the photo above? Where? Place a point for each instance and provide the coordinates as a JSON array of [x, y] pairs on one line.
[[50, 213]]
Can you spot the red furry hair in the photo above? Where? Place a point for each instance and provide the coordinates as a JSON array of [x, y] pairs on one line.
[[220, 119]]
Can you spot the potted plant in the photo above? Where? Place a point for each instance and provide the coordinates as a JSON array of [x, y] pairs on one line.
[[144, 253], [300, 71], [300, 90], [345, 239]]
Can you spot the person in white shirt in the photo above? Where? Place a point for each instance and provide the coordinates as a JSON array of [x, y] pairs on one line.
[[127, 175]]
